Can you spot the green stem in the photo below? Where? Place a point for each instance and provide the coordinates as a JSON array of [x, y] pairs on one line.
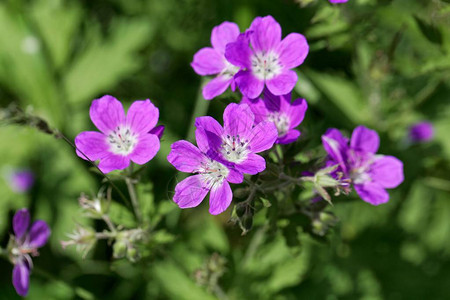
[[109, 223], [200, 109], [133, 197]]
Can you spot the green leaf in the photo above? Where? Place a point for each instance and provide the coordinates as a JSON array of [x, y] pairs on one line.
[[431, 33], [120, 215]]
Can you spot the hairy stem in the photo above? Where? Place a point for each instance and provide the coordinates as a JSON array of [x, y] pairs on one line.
[[109, 223], [133, 197]]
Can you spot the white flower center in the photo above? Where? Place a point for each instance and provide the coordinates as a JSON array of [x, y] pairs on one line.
[[281, 121], [122, 141], [265, 66], [213, 173], [235, 149], [229, 71]]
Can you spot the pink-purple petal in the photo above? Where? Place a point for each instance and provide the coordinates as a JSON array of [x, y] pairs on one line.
[[254, 164], [238, 119], [208, 61], [293, 50], [216, 87], [185, 157], [239, 52], [225, 33], [336, 145], [372, 193], [146, 148], [158, 131], [387, 171], [21, 221], [282, 83], [235, 176], [92, 144], [39, 234], [249, 85], [190, 192], [290, 137], [107, 113], [266, 33], [258, 108], [297, 112], [21, 278], [263, 136], [113, 162], [208, 142], [365, 140], [220, 198], [142, 116]]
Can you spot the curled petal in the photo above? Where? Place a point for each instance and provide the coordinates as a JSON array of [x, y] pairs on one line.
[[185, 157], [91, 144], [146, 149], [21, 221], [21, 278], [225, 33], [293, 50], [113, 162], [220, 198], [387, 171], [208, 61], [238, 119], [239, 52], [365, 140], [336, 145], [216, 87], [190, 192], [158, 131], [107, 113], [208, 134], [372, 193], [282, 83], [142, 116], [266, 33], [39, 234]]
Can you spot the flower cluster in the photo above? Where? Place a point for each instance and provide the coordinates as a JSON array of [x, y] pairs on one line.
[[223, 155], [251, 60], [23, 245]]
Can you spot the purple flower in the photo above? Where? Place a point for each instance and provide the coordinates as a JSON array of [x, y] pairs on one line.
[[421, 132], [26, 242], [265, 59], [280, 111], [238, 141], [122, 138], [338, 1], [21, 181], [212, 61], [369, 172], [211, 176]]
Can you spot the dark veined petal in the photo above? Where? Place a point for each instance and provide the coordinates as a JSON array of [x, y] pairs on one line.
[[220, 198], [107, 113], [142, 116], [190, 192]]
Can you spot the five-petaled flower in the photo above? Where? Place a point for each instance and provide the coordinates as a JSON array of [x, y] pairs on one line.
[[369, 173], [265, 59], [211, 175], [122, 138], [25, 243], [212, 61], [280, 111], [238, 141]]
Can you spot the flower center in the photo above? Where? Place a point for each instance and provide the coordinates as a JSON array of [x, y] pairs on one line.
[[360, 165], [229, 71], [235, 149], [265, 66], [122, 141], [213, 172], [281, 121]]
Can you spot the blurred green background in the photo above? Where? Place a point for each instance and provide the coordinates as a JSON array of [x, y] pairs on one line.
[[384, 64]]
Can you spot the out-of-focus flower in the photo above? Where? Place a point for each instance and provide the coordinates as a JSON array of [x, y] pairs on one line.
[[370, 173], [23, 245], [265, 59], [238, 141], [212, 61], [421, 132], [83, 238], [337, 1], [280, 111], [122, 138], [20, 181]]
